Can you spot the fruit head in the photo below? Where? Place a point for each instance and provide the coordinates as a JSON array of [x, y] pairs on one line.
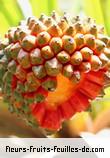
[[52, 67]]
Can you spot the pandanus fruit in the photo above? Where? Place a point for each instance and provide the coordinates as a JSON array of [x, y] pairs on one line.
[[53, 67]]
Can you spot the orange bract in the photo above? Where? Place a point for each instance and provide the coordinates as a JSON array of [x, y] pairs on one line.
[[62, 93]]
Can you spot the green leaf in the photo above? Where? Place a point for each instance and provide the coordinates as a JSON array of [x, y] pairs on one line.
[[105, 4], [93, 9], [52, 5], [10, 14], [39, 7], [45, 6]]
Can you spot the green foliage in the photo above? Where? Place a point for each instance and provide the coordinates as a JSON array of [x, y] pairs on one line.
[[93, 9], [105, 5], [11, 13], [45, 6], [102, 104], [99, 10]]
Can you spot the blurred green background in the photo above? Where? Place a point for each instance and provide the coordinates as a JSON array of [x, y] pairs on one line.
[[12, 11]]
